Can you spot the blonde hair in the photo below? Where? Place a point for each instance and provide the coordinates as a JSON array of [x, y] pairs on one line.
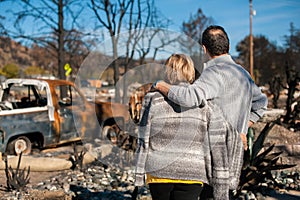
[[180, 68]]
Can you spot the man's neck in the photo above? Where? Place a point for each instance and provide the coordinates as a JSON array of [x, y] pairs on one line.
[[215, 59], [212, 57]]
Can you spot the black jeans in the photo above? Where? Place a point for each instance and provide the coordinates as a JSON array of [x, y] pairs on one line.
[[175, 191], [207, 193]]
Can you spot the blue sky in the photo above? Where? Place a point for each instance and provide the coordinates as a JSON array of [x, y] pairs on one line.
[[272, 19]]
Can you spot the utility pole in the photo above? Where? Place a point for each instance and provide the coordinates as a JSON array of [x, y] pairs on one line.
[[251, 42]]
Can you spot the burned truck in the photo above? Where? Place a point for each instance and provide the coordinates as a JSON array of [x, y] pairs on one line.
[[40, 113]]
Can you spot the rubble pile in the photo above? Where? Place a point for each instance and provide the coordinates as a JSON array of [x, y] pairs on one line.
[[107, 180], [282, 182], [95, 181]]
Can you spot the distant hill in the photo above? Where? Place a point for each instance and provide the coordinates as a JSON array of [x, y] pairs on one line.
[[14, 52]]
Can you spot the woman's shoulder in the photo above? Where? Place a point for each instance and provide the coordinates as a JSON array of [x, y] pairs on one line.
[[153, 97]]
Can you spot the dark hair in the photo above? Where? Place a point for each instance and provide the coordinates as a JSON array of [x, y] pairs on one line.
[[216, 40]]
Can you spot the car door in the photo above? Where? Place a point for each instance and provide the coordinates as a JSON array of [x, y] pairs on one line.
[[70, 109]]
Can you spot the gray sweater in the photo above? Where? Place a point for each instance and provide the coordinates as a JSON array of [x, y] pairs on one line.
[[188, 144], [227, 85]]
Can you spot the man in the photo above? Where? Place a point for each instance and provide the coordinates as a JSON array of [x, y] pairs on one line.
[[227, 85], [224, 82]]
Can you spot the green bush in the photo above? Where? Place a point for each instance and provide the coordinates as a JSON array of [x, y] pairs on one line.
[[10, 71]]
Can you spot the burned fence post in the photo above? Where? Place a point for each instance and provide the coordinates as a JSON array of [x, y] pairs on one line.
[[77, 158]]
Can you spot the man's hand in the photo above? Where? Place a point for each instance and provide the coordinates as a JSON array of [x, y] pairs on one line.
[[250, 123], [244, 140], [162, 86], [244, 136], [153, 86]]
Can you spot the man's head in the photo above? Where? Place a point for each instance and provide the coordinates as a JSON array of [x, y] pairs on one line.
[[215, 40]]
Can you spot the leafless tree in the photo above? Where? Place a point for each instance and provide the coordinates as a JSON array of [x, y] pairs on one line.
[[268, 60], [114, 13], [132, 16], [196, 24], [2, 27], [193, 28], [55, 25]]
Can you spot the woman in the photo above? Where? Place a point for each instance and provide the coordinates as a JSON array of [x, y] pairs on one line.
[[174, 147]]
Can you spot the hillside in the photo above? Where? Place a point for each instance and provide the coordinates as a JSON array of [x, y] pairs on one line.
[[14, 52]]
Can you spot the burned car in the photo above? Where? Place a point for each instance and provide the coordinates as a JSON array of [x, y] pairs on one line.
[[40, 113]]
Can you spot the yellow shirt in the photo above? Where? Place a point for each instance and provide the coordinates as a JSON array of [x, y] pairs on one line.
[[153, 179]]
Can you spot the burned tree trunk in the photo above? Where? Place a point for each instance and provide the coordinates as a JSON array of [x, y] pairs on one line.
[[292, 78]]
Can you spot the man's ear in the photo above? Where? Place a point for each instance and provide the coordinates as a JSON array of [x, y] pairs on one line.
[[206, 52], [204, 49]]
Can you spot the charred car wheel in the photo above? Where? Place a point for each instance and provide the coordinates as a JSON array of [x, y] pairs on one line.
[[21, 144]]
